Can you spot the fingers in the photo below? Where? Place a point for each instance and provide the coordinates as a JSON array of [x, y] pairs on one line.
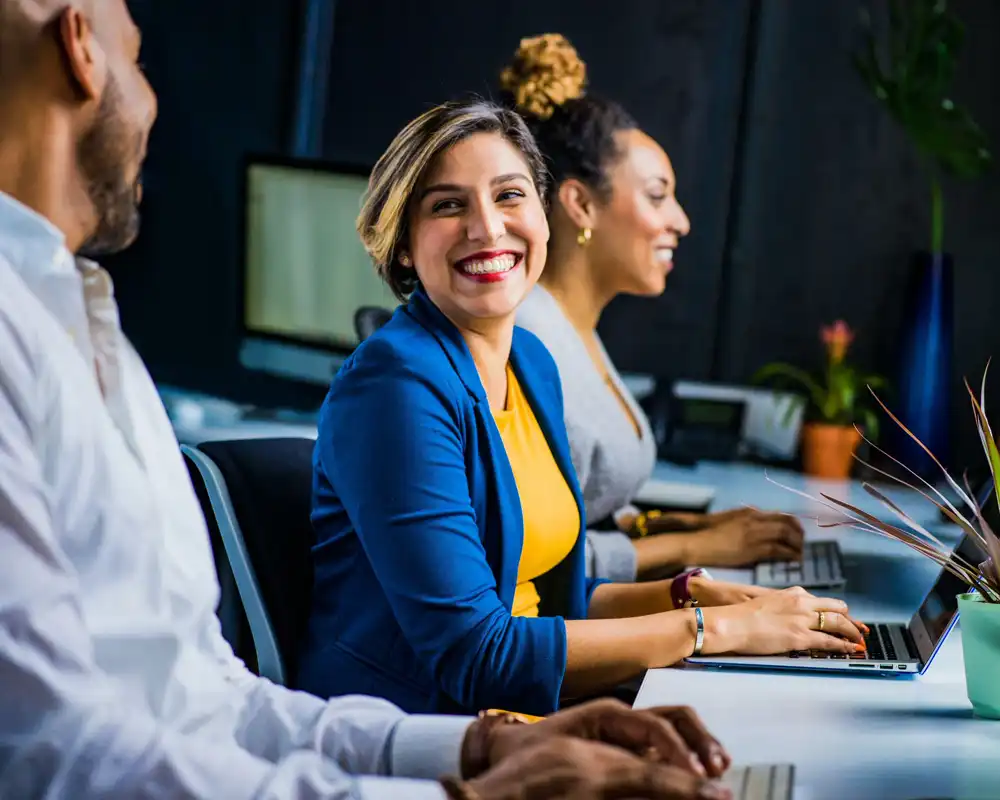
[[779, 529], [840, 625], [643, 731], [833, 644], [824, 603], [780, 551], [657, 782], [860, 626], [689, 725]]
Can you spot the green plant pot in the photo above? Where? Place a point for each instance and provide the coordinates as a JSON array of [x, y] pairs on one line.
[[981, 647]]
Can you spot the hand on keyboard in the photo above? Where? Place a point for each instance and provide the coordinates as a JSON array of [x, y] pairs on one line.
[[564, 768], [782, 621], [747, 537]]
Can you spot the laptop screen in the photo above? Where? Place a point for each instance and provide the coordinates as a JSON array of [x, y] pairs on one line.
[[941, 603]]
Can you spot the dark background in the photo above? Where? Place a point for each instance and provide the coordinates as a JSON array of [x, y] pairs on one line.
[[806, 201]]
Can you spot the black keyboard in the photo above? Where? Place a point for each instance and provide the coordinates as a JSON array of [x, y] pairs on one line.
[[878, 647], [878, 644]]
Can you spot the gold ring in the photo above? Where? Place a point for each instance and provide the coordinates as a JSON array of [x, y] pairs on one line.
[[822, 620]]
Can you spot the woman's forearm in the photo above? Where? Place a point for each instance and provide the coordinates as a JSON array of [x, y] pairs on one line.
[[618, 600], [656, 553], [603, 653]]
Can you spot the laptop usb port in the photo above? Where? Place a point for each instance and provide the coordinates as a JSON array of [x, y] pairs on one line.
[[901, 667], [885, 666]]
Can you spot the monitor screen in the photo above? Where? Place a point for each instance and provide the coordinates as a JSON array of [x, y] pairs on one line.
[[306, 272]]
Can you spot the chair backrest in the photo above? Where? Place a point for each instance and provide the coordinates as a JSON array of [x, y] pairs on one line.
[[260, 492], [369, 319], [232, 616]]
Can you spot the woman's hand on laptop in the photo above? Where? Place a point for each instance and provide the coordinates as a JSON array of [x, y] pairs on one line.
[[781, 621]]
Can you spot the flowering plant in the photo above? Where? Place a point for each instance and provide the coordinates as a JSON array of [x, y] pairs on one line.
[[836, 396]]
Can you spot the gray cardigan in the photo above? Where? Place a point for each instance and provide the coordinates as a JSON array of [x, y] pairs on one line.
[[610, 460]]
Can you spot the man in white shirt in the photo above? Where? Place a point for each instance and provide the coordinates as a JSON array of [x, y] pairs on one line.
[[114, 678]]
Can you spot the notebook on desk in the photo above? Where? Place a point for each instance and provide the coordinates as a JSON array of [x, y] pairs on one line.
[[672, 495]]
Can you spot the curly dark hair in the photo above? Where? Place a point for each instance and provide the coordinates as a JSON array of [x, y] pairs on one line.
[[574, 130]]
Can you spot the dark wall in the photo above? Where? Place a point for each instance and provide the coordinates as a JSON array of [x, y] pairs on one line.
[[222, 72], [805, 200], [833, 202], [678, 66]]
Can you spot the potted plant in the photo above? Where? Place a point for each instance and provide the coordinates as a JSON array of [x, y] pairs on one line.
[[836, 401], [908, 64], [979, 609]]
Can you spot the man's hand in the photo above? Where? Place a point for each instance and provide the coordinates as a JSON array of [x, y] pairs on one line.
[[558, 767], [669, 735]]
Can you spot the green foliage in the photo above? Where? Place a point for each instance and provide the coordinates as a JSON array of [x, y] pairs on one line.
[[840, 398], [840, 395], [910, 73]]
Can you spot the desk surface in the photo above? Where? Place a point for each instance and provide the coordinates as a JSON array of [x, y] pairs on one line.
[[849, 736]]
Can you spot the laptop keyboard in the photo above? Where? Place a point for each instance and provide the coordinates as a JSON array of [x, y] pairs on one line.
[[820, 566], [760, 782], [878, 647]]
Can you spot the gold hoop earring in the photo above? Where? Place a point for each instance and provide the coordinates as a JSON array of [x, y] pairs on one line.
[[583, 237]]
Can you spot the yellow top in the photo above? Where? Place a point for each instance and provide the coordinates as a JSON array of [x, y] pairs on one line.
[[551, 516]]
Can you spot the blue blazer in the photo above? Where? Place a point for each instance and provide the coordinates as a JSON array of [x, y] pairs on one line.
[[419, 530]]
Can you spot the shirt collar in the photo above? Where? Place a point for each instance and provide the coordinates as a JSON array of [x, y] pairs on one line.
[[29, 242]]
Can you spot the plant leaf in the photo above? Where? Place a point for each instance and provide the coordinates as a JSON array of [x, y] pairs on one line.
[[945, 507], [800, 376], [954, 485]]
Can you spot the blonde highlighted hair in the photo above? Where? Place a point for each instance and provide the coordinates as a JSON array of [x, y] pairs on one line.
[[383, 223]]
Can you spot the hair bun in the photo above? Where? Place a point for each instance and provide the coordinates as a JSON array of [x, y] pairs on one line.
[[545, 73]]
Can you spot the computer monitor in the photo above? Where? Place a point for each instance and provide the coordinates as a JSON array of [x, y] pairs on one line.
[[305, 272]]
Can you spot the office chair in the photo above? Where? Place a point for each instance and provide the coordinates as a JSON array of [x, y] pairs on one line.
[[259, 497], [369, 319]]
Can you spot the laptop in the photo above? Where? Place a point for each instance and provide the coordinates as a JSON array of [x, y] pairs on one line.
[[821, 567], [760, 782], [893, 649]]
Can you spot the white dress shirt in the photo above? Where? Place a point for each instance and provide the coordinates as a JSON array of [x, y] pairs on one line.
[[115, 680]]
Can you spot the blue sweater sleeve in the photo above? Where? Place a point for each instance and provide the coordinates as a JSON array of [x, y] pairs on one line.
[[391, 443]]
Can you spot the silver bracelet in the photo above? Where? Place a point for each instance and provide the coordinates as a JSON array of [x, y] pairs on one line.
[[699, 637]]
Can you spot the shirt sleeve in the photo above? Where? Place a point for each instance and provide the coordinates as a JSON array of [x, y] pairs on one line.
[[68, 728], [390, 440], [362, 735], [611, 555]]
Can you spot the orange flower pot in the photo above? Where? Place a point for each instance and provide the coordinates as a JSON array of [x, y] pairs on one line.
[[828, 450]]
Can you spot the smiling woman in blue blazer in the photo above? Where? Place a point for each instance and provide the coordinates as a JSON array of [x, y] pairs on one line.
[[449, 559]]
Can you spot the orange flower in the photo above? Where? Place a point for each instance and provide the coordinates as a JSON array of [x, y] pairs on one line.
[[837, 338]]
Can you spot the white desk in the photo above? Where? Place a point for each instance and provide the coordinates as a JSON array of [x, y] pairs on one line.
[[855, 737]]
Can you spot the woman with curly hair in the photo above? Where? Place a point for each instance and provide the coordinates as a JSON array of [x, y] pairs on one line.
[[615, 224]]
